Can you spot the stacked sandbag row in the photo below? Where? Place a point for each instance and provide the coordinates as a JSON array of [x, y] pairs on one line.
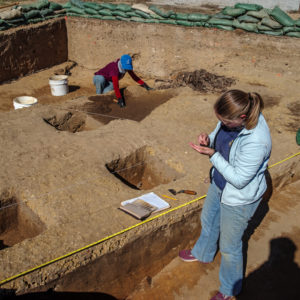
[[30, 13], [249, 17]]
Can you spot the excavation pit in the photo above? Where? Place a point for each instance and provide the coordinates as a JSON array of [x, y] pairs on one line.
[[142, 170], [17, 221]]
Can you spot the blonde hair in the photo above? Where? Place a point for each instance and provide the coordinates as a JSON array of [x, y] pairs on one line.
[[235, 103]]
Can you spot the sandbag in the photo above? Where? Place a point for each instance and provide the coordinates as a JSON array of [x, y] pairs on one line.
[[32, 14], [124, 7], [109, 6], [293, 34], [67, 5], [198, 17], [105, 12], [11, 14], [77, 3], [222, 16], [151, 21], [297, 22], [229, 28], [108, 18], [142, 7], [161, 12], [119, 13], [248, 19], [185, 23], [263, 13], [18, 21], [263, 27], [245, 26], [199, 24], [55, 6], [35, 20], [298, 137], [91, 5], [91, 11], [76, 10], [169, 21], [248, 7], [180, 16], [41, 4], [46, 12], [287, 29], [137, 19], [4, 23], [271, 23], [273, 32], [215, 21], [132, 14], [234, 12], [281, 17], [123, 19], [143, 14], [27, 7]]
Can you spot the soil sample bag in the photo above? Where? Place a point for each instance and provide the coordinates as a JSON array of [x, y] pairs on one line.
[[215, 21], [248, 19], [281, 17], [55, 6], [198, 17], [271, 23], [234, 12], [248, 7]]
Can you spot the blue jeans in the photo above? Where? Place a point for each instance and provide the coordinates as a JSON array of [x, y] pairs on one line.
[[102, 85], [226, 224]]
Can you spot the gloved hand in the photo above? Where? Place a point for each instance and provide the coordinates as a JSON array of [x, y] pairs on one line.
[[121, 102], [146, 86]]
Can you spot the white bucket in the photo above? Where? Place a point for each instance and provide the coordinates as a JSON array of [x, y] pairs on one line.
[[59, 85], [24, 101]]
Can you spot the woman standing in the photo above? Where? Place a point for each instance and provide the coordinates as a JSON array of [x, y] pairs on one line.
[[239, 149]]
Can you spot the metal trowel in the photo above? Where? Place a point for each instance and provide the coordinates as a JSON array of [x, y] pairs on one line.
[[182, 191]]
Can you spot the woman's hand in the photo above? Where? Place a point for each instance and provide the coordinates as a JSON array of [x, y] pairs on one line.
[[203, 139], [203, 149]]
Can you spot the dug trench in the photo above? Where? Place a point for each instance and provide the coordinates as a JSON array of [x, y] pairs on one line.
[[64, 156]]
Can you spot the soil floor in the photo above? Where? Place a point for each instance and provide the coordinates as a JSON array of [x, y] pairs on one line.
[[54, 157]]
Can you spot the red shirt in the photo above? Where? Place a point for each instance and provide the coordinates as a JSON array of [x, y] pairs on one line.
[[112, 73]]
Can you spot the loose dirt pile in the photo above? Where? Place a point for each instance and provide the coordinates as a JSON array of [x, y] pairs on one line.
[[200, 80]]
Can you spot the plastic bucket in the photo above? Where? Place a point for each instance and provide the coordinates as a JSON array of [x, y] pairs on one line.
[[59, 85], [24, 101]]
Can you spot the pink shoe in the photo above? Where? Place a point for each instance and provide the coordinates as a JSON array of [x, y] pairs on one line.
[[220, 296], [186, 255]]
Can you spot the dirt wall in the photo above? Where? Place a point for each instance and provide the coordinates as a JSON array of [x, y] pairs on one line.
[[159, 49], [31, 48]]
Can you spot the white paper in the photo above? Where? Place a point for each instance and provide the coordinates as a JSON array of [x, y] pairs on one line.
[[152, 199]]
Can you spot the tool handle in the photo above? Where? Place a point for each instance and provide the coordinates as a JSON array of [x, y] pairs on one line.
[[189, 192]]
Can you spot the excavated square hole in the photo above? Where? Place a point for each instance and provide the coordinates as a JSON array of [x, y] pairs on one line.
[[142, 170], [17, 221]]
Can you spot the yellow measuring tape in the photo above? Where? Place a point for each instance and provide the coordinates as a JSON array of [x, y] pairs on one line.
[[117, 233]]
